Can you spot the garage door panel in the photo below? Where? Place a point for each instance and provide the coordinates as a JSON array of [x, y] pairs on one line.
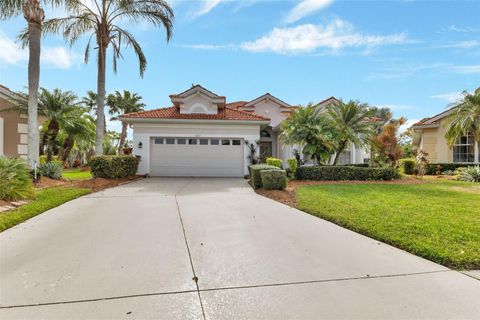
[[196, 160]]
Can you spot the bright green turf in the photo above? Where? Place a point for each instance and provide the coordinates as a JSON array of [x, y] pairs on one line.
[[76, 174], [439, 220], [45, 199]]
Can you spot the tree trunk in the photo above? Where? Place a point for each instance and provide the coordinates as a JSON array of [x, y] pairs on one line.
[[343, 144], [67, 147], [100, 130], [123, 137], [52, 130], [34, 15]]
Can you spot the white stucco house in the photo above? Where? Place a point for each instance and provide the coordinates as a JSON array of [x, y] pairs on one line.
[[203, 135]]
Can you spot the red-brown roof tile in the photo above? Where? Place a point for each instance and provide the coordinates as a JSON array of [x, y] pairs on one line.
[[173, 113]]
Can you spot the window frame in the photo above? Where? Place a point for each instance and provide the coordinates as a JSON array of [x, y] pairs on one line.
[[464, 157]]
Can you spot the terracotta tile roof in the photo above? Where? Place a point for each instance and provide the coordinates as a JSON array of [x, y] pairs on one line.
[[236, 104], [173, 113]]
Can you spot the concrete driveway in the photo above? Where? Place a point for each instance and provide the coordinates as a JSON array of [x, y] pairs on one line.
[[135, 251]]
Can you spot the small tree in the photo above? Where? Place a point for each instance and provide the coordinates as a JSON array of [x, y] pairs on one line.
[[386, 146], [422, 162]]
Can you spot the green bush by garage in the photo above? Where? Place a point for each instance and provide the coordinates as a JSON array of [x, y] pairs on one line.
[[439, 168], [112, 167], [343, 173], [255, 178], [274, 179]]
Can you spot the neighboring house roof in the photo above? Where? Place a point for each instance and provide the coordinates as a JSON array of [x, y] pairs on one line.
[[194, 89], [173, 113], [267, 96], [327, 101], [434, 121], [236, 104], [6, 93]]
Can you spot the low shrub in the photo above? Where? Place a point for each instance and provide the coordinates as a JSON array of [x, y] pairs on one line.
[[274, 179], [471, 174], [341, 173], [43, 159], [15, 180], [408, 165], [358, 165], [255, 178], [293, 166], [275, 162], [112, 167], [52, 169], [438, 168]]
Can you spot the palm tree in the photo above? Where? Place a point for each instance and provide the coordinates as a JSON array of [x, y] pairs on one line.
[[34, 16], [352, 123], [61, 111], [80, 127], [465, 119], [90, 101], [314, 133], [124, 103], [101, 21]]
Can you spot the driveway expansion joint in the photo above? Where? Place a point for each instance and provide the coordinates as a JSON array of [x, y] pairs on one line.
[[195, 278]]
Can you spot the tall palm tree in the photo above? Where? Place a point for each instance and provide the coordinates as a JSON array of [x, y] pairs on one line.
[[314, 133], [34, 16], [61, 111], [352, 123], [90, 101], [101, 20], [465, 119], [119, 104]]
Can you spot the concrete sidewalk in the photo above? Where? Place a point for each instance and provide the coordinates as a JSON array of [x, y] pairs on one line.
[[135, 251]]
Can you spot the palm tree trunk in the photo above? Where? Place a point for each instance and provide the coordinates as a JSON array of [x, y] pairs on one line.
[[123, 136], [67, 148], [100, 130], [342, 146], [34, 15]]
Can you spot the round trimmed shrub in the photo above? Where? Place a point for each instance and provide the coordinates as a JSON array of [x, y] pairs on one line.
[[15, 181], [274, 179]]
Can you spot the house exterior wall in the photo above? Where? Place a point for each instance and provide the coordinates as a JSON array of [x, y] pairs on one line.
[[144, 132], [14, 131], [196, 102], [270, 110], [433, 142]]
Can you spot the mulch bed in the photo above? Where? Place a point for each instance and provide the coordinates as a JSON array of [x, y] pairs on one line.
[[94, 184], [288, 196]]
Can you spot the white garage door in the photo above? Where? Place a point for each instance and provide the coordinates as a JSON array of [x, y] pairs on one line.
[[196, 157]]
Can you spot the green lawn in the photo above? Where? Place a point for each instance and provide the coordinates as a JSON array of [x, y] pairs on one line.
[[439, 220], [76, 174], [44, 200]]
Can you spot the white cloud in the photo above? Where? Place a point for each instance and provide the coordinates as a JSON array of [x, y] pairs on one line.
[[454, 28], [467, 69], [463, 44], [206, 7], [404, 127], [56, 57], [308, 38], [450, 97], [305, 8]]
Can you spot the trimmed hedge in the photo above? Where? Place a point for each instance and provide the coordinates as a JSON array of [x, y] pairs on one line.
[[292, 166], [435, 168], [112, 167], [255, 178], [275, 162], [342, 173], [274, 179], [408, 165]]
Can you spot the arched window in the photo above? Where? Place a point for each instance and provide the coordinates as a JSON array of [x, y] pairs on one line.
[[265, 134], [198, 108]]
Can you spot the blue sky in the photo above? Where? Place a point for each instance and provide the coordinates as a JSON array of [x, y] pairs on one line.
[[413, 56]]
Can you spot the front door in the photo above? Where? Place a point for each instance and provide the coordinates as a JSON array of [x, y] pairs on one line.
[[265, 150]]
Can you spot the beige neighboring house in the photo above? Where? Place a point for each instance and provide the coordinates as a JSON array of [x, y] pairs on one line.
[[13, 128], [202, 134], [429, 136]]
